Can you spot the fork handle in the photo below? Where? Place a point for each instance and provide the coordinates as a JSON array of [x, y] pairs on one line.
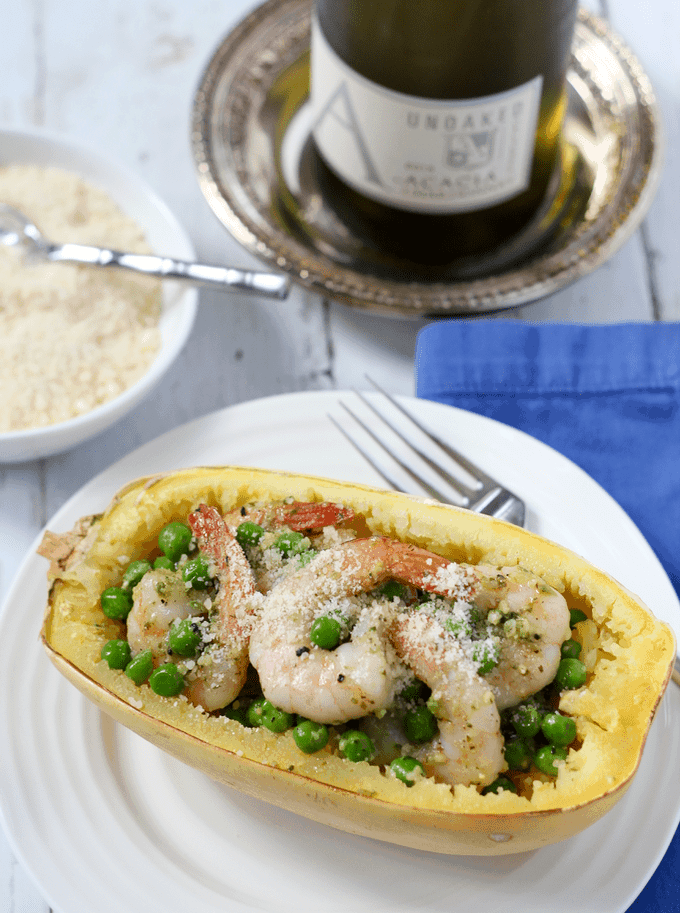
[[268, 285]]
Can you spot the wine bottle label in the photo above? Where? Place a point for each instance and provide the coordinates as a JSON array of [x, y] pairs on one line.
[[421, 154]]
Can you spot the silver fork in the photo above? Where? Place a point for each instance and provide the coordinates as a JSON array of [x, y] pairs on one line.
[[482, 494]]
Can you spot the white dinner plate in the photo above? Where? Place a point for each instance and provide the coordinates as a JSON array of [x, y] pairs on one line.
[[105, 821]]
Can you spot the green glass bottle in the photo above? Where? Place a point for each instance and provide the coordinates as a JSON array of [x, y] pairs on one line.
[[436, 123]]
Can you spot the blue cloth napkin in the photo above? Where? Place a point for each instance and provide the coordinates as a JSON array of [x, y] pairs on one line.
[[607, 397]]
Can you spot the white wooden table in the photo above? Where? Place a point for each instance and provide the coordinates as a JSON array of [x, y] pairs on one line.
[[121, 76]]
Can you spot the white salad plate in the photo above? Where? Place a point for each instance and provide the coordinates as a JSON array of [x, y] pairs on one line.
[[105, 821]]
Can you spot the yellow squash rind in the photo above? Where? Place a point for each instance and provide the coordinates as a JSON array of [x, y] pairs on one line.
[[630, 650]]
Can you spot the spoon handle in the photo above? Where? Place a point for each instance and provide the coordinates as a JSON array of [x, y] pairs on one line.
[[269, 285]]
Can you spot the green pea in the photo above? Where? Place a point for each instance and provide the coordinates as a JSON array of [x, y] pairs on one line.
[[134, 573], [116, 603], [163, 563], [305, 557], [558, 729], [487, 655], [166, 680], [420, 724], [263, 713], [254, 712], [249, 534], [459, 628], [175, 539], [526, 721], [356, 745], [184, 637], [117, 653], [325, 632], [274, 719], [407, 769], [518, 754], [570, 649], [240, 713], [576, 616], [140, 667], [310, 736], [475, 614], [415, 691], [571, 673], [291, 543], [196, 572], [499, 784], [392, 590], [545, 758]]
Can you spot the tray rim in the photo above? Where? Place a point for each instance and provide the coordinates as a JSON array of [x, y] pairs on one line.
[[588, 247]]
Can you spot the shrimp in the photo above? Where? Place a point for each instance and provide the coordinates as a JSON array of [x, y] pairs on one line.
[[535, 622], [221, 670], [360, 676], [216, 677], [303, 527], [300, 516], [526, 623], [469, 746], [158, 599], [356, 678]]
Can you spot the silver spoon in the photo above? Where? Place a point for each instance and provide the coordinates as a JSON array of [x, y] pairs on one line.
[[17, 229]]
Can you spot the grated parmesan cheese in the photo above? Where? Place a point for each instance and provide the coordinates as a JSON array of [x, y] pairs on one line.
[[71, 337]]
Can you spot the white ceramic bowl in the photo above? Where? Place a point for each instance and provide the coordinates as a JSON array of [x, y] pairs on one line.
[[164, 234]]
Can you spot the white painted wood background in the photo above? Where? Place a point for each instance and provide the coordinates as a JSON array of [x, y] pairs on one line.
[[121, 75]]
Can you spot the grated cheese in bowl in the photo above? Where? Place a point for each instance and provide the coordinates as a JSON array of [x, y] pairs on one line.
[[81, 346], [73, 337]]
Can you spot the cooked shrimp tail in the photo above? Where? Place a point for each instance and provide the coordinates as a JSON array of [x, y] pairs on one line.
[[303, 516], [234, 575], [221, 670], [300, 516]]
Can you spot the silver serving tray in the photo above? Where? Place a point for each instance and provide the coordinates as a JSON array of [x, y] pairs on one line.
[[250, 138]]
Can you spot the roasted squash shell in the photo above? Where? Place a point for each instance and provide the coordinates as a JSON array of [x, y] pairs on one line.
[[630, 652]]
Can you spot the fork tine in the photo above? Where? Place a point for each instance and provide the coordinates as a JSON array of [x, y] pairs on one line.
[[380, 467], [457, 457], [490, 497], [465, 491]]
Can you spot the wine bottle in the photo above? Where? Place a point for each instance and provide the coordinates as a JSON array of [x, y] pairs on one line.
[[436, 123]]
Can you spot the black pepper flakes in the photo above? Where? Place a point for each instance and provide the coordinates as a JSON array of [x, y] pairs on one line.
[[301, 650], [341, 677]]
